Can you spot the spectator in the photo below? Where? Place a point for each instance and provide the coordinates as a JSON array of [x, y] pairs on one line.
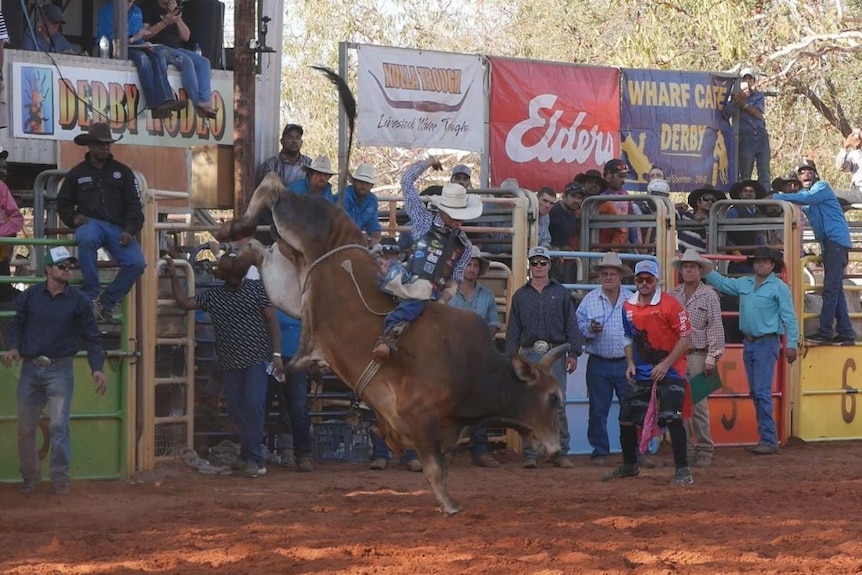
[[101, 200], [247, 333], [152, 70], [11, 222], [361, 204], [475, 297], [564, 227], [754, 148], [692, 227], [593, 182], [849, 159], [547, 198], [50, 319], [747, 240], [316, 181], [48, 36], [462, 175], [655, 173], [164, 27], [615, 174], [290, 162]]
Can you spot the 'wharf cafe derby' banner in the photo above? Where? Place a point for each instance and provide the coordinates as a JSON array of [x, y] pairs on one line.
[[420, 99], [673, 120], [46, 106], [551, 121]]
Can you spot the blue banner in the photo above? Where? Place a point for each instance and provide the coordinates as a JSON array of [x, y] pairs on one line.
[[673, 120]]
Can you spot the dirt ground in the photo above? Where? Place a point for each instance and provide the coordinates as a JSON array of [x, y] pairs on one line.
[[795, 512]]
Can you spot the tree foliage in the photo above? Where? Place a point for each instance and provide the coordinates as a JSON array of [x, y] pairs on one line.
[[807, 51]]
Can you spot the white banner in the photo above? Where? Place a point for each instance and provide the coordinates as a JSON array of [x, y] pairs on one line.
[[421, 99], [53, 104]]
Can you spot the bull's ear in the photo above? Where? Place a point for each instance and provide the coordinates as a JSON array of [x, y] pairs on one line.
[[524, 369]]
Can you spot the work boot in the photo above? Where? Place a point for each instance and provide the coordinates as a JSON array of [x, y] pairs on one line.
[[702, 459], [624, 470], [378, 464], [645, 460], [413, 465], [303, 465], [530, 463], [28, 486], [381, 350], [563, 462], [485, 460], [598, 460], [762, 449]]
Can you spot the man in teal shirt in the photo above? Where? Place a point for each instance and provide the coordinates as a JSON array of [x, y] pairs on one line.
[[765, 313]]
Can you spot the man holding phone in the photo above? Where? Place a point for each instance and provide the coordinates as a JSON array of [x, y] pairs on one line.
[[747, 106], [849, 159]]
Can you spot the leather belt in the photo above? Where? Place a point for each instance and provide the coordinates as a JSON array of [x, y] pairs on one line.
[[752, 339], [698, 350], [623, 358], [42, 361], [542, 346]]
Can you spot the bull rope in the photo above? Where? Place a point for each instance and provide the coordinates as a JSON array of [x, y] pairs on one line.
[[373, 367]]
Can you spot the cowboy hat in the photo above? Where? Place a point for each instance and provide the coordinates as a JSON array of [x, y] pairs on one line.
[[748, 72], [592, 175], [779, 182], [612, 260], [476, 253], [759, 191], [365, 173], [766, 253], [695, 195], [692, 256], [321, 164], [455, 202], [99, 133]]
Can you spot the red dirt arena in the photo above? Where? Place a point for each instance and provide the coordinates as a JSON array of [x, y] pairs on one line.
[[795, 512]]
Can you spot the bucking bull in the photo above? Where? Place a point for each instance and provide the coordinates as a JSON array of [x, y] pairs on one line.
[[447, 377]]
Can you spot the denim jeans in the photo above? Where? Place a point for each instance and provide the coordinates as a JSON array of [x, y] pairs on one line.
[[754, 149], [559, 371], [38, 387], [245, 394], [604, 378], [379, 450], [760, 357], [294, 423], [835, 257], [194, 70], [406, 310], [152, 72], [96, 234]]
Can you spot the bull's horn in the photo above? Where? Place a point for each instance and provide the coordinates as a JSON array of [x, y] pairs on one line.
[[547, 362]]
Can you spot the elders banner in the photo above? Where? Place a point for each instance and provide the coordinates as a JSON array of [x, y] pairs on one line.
[[673, 120], [551, 121], [420, 99]]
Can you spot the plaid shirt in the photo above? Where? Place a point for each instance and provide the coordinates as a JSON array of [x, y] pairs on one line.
[[704, 313]]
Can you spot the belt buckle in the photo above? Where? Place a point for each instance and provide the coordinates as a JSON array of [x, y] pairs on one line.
[[541, 346], [42, 361]]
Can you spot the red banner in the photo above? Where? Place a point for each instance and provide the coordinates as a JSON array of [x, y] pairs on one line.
[[551, 121]]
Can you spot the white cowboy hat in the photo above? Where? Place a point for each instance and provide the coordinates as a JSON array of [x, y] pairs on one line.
[[612, 260], [365, 173], [476, 253], [457, 203], [323, 165], [692, 256]]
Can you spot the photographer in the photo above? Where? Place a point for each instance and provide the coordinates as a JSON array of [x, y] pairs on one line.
[[849, 159], [753, 137]]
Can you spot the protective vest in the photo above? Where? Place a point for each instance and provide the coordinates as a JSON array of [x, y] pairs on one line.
[[436, 253]]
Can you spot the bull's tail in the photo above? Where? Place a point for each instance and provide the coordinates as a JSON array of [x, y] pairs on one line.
[[264, 198]]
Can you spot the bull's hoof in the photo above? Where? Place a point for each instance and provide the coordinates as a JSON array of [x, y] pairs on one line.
[[453, 510]]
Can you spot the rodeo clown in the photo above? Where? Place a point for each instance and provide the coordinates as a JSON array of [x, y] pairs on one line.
[[441, 252]]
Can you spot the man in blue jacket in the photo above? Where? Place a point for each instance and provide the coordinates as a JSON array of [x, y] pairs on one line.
[[361, 204], [830, 228], [316, 181]]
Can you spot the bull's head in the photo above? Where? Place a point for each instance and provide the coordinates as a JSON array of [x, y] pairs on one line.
[[539, 407]]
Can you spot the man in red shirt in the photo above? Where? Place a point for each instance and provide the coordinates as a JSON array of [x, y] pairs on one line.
[[657, 334]]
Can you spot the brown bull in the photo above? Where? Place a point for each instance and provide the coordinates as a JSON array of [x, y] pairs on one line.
[[447, 376]]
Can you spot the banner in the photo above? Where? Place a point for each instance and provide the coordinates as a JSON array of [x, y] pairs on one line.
[[673, 120], [58, 104], [420, 99], [551, 121]]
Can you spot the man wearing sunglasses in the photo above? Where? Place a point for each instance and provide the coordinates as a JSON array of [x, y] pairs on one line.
[[657, 335], [543, 317], [51, 318]]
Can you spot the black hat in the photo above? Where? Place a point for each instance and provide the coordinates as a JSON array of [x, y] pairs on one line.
[[767, 253], [759, 191], [290, 127], [3, 153], [695, 195], [594, 175], [807, 164], [616, 166], [99, 133], [574, 188], [779, 182]]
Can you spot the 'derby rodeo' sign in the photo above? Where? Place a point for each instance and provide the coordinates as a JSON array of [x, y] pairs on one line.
[[47, 104], [420, 99]]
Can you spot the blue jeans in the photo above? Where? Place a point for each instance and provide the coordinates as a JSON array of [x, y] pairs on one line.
[[294, 420], [245, 394], [379, 450], [152, 71], [760, 357], [38, 387], [559, 371], [834, 305], [194, 70], [406, 310], [96, 234], [604, 378], [754, 149]]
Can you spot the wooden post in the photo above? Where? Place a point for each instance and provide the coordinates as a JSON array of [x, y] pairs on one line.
[[243, 115]]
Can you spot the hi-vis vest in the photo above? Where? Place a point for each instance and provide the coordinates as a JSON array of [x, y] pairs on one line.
[[436, 253]]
